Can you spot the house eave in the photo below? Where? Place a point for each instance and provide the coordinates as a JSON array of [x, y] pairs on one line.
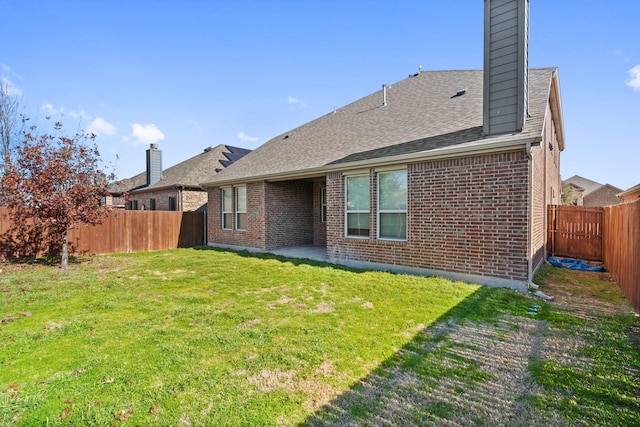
[[555, 102], [168, 187], [487, 146]]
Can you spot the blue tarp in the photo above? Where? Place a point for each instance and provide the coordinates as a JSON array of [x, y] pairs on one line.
[[574, 264]]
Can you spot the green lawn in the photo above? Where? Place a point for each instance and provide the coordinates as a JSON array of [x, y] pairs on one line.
[[187, 336], [211, 337]]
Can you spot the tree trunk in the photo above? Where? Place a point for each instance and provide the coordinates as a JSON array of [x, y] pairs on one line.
[[65, 253]]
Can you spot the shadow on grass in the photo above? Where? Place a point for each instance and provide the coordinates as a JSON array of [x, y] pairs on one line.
[[270, 256], [440, 376], [479, 364], [47, 261]]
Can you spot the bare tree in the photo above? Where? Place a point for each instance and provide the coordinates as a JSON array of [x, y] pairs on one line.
[[9, 121]]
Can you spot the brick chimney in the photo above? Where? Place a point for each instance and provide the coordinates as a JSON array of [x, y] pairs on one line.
[[506, 65], [154, 164]]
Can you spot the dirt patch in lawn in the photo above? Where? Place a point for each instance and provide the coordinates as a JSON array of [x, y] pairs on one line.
[[587, 294]]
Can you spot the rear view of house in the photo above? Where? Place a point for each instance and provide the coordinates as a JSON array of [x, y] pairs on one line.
[[444, 172]]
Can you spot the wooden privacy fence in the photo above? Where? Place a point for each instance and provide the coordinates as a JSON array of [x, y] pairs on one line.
[[608, 234], [622, 248], [575, 232], [121, 231]]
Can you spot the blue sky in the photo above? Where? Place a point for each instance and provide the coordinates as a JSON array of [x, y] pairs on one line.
[[193, 73]]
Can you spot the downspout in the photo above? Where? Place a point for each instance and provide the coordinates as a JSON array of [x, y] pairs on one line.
[[530, 250]]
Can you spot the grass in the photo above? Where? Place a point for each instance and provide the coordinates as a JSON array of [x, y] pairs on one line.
[[210, 337], [188, 336]]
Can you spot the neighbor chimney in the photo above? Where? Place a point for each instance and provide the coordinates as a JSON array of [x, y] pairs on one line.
[[154, 164], [506, 65]]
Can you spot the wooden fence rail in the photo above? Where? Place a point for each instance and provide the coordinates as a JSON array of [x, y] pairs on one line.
[[610, 235], [121, 231]]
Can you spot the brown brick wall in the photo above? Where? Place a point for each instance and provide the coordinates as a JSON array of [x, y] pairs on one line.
[[546, 186], [187, 200], [289, 209], [465, 216], [279, 214], [254, 236]]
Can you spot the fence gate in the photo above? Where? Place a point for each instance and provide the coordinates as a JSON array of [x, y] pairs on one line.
[[575, 232]]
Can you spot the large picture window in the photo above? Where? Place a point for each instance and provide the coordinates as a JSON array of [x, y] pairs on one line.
[[357, 206], [241, 208], [392, 205], [227, 208]]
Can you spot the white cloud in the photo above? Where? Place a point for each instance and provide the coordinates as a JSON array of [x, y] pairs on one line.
[[53, 111], [291, 100], [80, 115], [244, 137], [634, 80], [146, 133], [10, 88], [101, 127]]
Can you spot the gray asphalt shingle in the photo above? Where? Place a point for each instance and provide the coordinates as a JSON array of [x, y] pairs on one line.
[[421, 114]]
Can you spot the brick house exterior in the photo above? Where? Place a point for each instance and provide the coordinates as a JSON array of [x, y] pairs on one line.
[[585, 192], [422, 177], [176, 188]]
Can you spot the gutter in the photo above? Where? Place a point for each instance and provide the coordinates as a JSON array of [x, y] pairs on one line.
[[463, 150]]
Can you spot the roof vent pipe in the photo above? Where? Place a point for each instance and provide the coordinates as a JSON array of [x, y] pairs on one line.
[[384, 95]]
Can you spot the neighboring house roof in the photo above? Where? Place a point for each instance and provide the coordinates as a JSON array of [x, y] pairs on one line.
[[128, 184], [583, 183], [430, 112], [594, 193], [189, 173], [630, 194], [603, 196]]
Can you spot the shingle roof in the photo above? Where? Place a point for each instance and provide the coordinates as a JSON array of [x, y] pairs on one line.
[[585, 184], [421, 114], [189, 173]]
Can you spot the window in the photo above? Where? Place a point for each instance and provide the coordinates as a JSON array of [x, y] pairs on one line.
[[323, 203], [241, 208], [134, 205], [173, 206], [392, 205], [152, 204], [357, 206], [227, 208]]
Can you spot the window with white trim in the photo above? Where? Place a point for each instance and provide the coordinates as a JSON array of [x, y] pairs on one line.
[[241, 208], [227, 208], [357, 206], [392, 205]]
